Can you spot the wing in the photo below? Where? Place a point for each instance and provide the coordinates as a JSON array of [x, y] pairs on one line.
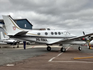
[[75, 38]]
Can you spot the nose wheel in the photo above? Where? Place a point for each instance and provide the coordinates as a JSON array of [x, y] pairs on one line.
[[79, 48]]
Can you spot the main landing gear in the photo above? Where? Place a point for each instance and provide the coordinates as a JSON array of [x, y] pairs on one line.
[[17, 44], [63, 49], [48, 48]]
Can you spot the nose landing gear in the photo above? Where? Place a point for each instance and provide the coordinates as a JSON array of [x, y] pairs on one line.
[[79, 48]]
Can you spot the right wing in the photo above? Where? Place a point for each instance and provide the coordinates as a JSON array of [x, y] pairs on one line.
[[72, 39]]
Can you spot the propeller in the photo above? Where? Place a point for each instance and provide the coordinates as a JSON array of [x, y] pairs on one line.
[[88, 39]]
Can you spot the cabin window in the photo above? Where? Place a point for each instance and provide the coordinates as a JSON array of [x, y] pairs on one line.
[[46, 33], [59, 33], [38, 33], [52, 33], [55, 33]]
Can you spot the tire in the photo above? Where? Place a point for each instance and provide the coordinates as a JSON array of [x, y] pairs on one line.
[[79, 48], [17, 46], [48, 48], [63, 50]]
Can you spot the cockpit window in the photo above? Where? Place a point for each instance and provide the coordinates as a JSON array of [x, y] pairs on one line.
[[55, 33], [67, 33]]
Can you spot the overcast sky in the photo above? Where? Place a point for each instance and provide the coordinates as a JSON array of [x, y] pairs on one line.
[[72, 15]]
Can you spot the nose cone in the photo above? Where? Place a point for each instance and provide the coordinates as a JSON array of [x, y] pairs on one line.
[[91, 43]]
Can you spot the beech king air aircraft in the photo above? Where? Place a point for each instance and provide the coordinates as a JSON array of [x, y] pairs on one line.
[[48, 37]]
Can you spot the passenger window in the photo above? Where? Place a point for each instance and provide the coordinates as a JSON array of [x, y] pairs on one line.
[[38, 33], [52, 33], [59, 33], [55, 33], [46, 33]]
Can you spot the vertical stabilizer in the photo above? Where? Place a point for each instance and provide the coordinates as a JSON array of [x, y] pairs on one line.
[[2, 36], [11, 27]]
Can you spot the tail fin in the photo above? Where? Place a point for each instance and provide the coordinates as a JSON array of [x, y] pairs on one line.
[[2, 36], [11, 27]]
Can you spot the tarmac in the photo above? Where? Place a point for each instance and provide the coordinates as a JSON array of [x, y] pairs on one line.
[[36, 57]]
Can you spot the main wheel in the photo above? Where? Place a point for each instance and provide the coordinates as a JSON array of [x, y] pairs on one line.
[[17, 45], [48, 48], [63, 49], [79, 48]]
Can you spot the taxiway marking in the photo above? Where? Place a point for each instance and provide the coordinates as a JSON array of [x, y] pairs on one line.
[[56, 56], [59, 54], [51, 59], [73, 61]]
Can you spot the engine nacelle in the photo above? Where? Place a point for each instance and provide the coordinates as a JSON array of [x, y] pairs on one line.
[[84, 39]]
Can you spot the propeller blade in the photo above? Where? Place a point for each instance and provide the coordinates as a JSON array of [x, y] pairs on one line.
[[83, 33]]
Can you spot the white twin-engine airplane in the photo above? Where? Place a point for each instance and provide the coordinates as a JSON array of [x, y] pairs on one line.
[[48, 37]]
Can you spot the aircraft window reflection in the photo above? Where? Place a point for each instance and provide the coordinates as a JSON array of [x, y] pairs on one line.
[[46, 33], [38, 33]]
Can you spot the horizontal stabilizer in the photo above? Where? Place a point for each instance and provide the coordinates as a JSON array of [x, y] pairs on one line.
[[21, 33], [2, 36]]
